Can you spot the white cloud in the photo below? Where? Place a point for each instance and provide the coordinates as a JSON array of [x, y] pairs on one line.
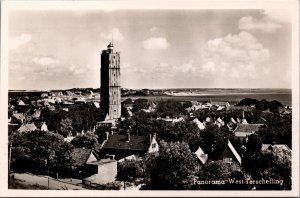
[[164, 65], [209, 67], [46, 61], [76, 70], [154, 30], [235, 55], [154, 43], [264, 24], [16, 42], [186, 67], [115, 34]]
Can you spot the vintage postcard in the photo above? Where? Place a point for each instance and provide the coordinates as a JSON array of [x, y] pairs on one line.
[[150, 98]]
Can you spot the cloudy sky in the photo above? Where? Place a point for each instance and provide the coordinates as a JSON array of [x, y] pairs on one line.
[[159, 48]]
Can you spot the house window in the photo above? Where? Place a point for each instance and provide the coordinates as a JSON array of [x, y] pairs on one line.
[[227, 160], [153, 145]]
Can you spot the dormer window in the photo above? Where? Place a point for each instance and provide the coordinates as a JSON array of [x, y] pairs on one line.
[[153, 145]]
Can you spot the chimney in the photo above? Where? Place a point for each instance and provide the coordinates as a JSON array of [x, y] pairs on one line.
[[128, 137], [106, 135], [154, 135], [150, 137]]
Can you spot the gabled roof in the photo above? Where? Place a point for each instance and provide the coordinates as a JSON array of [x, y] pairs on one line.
[[19, 116], [248, 127], [234, 152], [34, 103], [119, 142], [39, 124], [281, 146], [97, 105], [261, 120], [80, 156], [27, 128], [275, 146], [199, 124], [232, 120], [130, 157], [69, 139], [201, 155], [219, 120], [20, 102], [265, 147]]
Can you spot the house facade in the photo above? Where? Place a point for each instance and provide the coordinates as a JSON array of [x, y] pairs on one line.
[[105, 171]]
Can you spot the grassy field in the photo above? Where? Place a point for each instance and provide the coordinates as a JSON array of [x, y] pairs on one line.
[[16, 184], [284, 98]]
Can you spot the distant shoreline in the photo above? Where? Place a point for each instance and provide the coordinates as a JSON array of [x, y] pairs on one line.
[[164, 89]]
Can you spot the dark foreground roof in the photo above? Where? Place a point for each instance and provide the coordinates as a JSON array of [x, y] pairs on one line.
[[80, 156], [119, 142]]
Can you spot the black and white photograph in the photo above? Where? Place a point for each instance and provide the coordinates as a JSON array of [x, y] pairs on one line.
[[167, 98]]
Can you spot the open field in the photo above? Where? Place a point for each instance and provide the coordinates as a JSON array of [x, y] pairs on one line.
[[284, 98]]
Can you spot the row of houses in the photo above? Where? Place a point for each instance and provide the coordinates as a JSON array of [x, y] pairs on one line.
[[101, 168], [230, 154], [117, 148], [27, 127]]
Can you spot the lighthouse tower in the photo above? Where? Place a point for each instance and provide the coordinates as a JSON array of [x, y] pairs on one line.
[[110, 82]]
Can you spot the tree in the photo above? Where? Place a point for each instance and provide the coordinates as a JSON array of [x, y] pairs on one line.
[[247, 102], [216, 170], [127, 101], [87, 140], [172, 169], [139, 104], [65, 128], [279, 129], [124, 112], [278, 167], [187, 104], [170, 108], [215, 139], [254, 143], [35, 151], [130, 170], [184, 131], [262, 105], [80, 117], [274, 105], [100, 132]]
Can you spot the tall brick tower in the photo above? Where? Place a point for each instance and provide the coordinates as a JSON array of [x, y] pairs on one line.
[[110, 82]]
